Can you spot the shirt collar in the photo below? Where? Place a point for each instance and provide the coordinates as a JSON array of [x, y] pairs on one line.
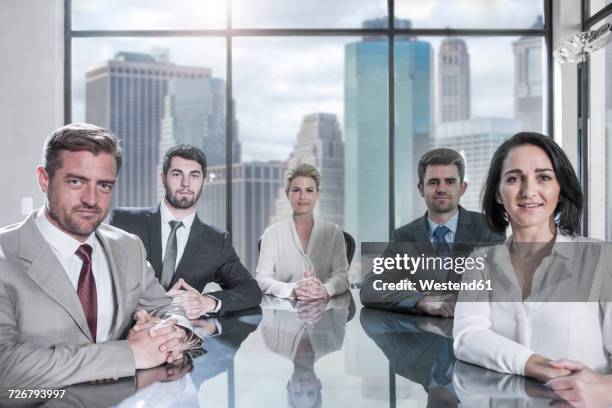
[[167, 216], [58, 239], [451, 224]]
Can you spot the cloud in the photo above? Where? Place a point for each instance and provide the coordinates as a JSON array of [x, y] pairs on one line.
[[278, 80]]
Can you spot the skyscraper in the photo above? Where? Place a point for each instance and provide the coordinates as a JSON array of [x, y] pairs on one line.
[[133, 94], [366, 129], [528, 81], [453, 80], [194, 113], [476, 140], [254, 188], [319, 142]]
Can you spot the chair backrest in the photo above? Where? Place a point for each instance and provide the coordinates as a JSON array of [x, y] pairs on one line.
[[349, 242]]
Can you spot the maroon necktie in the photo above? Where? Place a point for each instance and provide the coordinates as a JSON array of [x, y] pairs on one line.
[[87, 289]]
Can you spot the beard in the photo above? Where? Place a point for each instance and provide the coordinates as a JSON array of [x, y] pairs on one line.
[[69, 220], [182, 203]]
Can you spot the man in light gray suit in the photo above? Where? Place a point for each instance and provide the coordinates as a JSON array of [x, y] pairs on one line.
[[70, 286]]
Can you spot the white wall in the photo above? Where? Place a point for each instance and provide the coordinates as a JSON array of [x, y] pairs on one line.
[[31, 96]]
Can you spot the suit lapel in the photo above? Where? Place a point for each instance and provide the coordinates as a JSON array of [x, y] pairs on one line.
[[116, 263], [424, 244], [464, 228], [46, 270], [154, 244]]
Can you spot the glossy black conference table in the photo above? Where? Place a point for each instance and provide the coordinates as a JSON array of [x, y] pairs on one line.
[[335, 354]]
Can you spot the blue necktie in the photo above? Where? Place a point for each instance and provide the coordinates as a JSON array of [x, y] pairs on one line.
[[442, 247]]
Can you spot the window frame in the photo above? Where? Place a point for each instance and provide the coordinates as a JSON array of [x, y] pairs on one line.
[[229, 33]]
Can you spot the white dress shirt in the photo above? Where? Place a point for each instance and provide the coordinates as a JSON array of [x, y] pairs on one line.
[[182, 234], [64, 247], [282, 260], [502, 335]]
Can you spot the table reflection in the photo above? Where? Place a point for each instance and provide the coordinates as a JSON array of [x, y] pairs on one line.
[[479, 387], [418, 348], [303, 332], [315, 354]]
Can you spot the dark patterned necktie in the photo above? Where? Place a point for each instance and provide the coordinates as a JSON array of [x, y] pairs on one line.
[[86, 290], [169, 264], [443, 249]]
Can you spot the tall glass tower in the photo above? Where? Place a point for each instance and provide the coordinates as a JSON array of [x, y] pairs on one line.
[[366, 129]]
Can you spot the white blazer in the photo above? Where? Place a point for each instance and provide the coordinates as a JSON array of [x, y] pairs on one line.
[[282, 261]]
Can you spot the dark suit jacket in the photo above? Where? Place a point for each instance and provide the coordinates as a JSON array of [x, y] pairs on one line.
[[472, 231], [208, 257]]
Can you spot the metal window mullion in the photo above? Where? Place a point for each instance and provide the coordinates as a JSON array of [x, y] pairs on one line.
[[583, 140], [229, 112], [597, 17], [391, 114], [550, 100], [67, 61], [310, 32]]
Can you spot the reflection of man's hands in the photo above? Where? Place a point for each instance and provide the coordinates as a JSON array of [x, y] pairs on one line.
[[204, 327], [440, 327], [311, 311], [166, 372], [438, 305]]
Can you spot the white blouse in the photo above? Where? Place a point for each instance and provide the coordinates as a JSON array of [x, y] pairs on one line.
[[282, 262], [502, 335]]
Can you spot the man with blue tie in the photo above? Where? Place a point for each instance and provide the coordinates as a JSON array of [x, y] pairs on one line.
[[444, 226]]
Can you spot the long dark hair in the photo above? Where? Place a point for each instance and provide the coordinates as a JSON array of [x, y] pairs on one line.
[[569, 207]]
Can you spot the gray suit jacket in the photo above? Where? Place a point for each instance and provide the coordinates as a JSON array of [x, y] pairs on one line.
[[44, 337], [472, 231]]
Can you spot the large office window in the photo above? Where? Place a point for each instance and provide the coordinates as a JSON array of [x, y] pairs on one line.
[[313, 82]]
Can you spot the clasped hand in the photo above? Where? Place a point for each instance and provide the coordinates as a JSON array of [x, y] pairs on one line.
[[155, 341], [310, 287], [583, 387], [190, 299]]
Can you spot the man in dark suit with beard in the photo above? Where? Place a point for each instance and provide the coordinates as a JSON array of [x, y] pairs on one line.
[[186, 253]]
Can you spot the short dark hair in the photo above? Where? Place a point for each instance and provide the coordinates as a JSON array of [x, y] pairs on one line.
[[442, 156], [77, 137], [569, 207], [187, 152]]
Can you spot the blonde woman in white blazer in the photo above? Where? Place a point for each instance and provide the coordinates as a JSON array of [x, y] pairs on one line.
[[302, 256]]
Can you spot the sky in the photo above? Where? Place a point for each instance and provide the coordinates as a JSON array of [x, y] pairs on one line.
[[279, 80]]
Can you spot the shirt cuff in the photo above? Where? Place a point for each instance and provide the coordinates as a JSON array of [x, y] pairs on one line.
[[521, 361], [217, 307]]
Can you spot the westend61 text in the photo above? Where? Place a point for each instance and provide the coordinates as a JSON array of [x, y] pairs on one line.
[[427, 263], [433, 285]]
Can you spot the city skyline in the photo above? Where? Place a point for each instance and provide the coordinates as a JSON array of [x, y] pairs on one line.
[[193, 109]]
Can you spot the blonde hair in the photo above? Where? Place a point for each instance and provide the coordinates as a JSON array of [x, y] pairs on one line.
[[302, 170]]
